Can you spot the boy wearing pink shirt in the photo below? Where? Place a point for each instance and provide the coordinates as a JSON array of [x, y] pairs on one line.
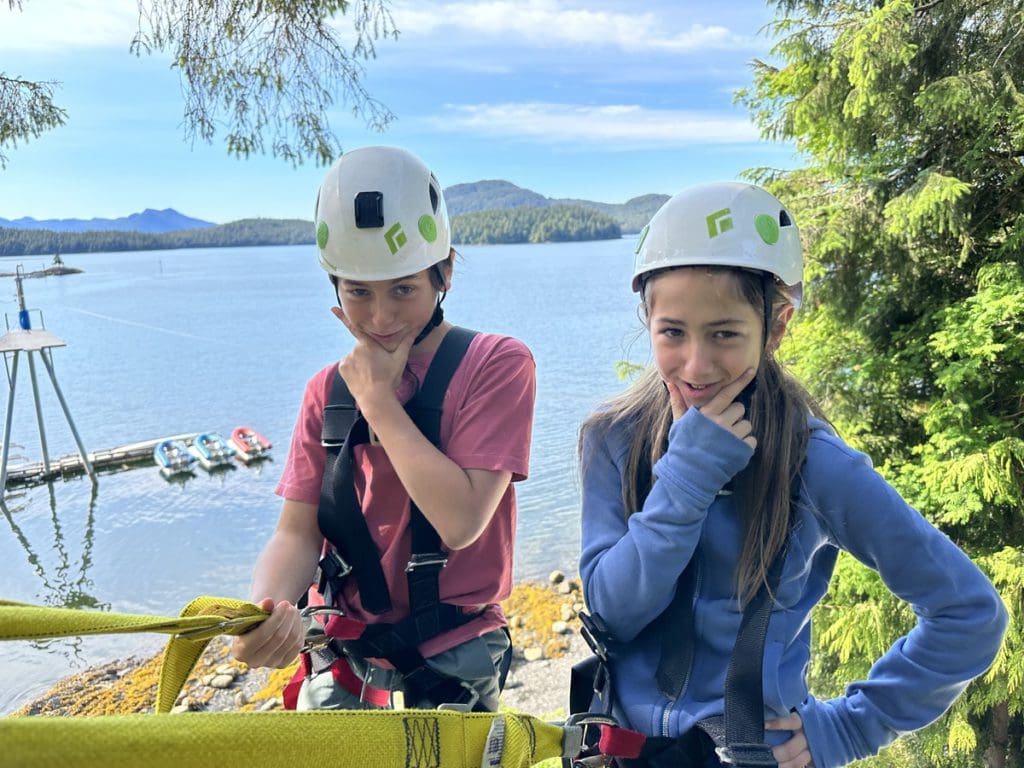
[[413, 533]]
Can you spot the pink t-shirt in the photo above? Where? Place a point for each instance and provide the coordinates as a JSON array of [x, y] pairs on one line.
[[486, 423]]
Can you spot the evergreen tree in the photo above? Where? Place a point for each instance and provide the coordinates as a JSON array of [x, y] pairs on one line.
[[557, 223], [31, 242], [910, 116], [266, 72]]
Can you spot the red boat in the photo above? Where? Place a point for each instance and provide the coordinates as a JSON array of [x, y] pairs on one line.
[[249, 444]]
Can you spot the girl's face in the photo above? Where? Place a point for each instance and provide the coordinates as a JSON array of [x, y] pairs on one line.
[[390, 310], [703, 333]]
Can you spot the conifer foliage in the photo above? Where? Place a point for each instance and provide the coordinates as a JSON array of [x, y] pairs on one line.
[[909, 115], [262, 73]]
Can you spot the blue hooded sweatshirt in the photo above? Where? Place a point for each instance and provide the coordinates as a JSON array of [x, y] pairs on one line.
[[630, 567]]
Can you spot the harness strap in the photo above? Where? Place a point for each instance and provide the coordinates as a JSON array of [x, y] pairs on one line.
[[744, 678], [201, 620], [342, 521], [340, 515]]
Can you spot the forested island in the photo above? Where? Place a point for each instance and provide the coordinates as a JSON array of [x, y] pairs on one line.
[[251, 232], [557, 224], [515, 225]]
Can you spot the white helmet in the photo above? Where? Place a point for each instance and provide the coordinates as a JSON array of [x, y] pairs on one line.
[[723, 223], [380, 215]]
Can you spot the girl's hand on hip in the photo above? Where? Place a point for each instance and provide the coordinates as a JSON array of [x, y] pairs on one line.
[[794, 753], [371, 369], [729, 414]]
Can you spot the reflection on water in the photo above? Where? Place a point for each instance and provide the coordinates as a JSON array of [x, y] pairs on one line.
[[66, 584]]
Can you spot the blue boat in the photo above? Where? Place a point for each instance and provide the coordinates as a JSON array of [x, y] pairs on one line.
[[212, 451], [173, 458]]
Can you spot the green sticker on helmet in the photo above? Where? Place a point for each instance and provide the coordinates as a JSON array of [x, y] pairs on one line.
[[395, 238], [428, 228], [321, 235], [718, 222], [767, 227], [643, 236]]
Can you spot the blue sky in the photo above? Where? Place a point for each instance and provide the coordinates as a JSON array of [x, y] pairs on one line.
[[594, 99]]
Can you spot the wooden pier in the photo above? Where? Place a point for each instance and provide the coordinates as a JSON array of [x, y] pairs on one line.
[[108, 460]]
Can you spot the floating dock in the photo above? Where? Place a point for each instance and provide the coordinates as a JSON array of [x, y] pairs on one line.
[[109, 460]]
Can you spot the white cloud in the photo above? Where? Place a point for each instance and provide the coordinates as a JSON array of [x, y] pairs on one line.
[[550, 23], [57, 26], [621, 126]]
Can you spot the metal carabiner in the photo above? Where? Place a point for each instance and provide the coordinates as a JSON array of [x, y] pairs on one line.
[[316, 610], [316, 638], [591, 718], [577, 723]]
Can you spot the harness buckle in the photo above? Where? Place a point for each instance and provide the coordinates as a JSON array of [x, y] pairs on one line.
[[752, 755], [580, 747], [316, 638], [315, 641], [338, 420], [595, 632], [425, 560], [462, 706], [591, 718], [334, 566]]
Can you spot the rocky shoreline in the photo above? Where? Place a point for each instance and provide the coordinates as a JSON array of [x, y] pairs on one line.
[[543, 620]]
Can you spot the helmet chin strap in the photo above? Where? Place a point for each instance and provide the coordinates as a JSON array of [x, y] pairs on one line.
[[435, 320]]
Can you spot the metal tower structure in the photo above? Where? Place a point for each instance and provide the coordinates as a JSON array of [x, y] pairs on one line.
[[26, 339]]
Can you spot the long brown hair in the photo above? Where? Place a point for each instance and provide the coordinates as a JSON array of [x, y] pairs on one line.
[[778, 412]]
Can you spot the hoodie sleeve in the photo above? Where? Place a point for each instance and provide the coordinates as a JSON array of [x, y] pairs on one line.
[[960, 616], [630, 566]]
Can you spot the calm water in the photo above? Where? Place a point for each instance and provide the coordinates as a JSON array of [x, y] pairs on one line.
[[168, 342]]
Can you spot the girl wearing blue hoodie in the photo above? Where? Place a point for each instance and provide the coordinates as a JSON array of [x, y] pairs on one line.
[[715, 465]]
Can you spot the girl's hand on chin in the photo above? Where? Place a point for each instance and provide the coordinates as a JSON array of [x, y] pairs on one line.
[[729, 414], [676, 399]]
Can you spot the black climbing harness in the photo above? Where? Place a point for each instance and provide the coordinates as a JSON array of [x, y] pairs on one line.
[[351, 552]]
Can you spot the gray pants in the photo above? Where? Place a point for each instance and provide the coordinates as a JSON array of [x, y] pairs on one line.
[[476, 662]]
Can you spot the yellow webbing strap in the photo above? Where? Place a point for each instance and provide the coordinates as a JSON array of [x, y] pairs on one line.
[[339, 739], [200, 621]]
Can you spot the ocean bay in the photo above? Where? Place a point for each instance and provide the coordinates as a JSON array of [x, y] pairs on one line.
[[168, 342]]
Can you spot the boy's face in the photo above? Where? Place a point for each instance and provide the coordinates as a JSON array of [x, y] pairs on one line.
[[389, 310]]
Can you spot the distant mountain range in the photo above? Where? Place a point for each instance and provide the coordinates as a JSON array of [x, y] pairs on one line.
[[461, 198], [151, 221]]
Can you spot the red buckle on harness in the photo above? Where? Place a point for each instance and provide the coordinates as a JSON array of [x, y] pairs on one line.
[[620, 742]]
